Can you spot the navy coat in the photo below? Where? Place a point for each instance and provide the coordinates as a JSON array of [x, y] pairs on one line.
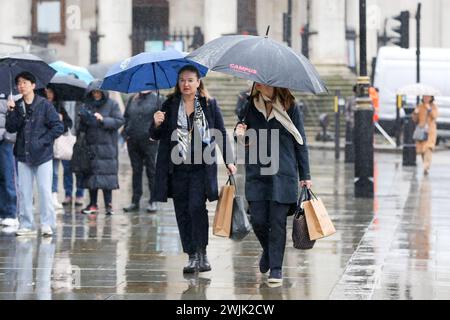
[[164, 164], [102, 140], [283, 185], [36, 131]]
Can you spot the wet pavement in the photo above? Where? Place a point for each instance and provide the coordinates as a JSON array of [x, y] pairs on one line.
[[396, 246]]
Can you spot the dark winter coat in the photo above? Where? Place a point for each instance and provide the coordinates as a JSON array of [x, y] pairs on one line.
[[282, 186], [164, 165], [36, 130], [139, 116], [102, 139], [5, 135], [67, 121]]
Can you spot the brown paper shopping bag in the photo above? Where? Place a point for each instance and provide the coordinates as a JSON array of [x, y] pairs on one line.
[[317, 219], [224, 211]]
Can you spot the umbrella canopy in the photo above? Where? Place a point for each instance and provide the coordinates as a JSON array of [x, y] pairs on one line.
[[260, 59], [65, 69], [418, 89], [68, 88], [148, 71], [99, 70], [12, 65]]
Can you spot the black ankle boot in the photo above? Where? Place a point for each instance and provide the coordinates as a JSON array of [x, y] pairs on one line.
[[192, 265], [203, 264]]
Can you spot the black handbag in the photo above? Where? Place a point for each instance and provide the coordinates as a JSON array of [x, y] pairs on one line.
[[300, 235], [82, 156], [240, 225]]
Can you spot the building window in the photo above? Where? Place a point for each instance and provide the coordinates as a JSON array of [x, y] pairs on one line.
[[48, 19], [246, 17]]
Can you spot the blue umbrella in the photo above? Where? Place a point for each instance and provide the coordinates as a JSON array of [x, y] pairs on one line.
[[148, 71], [65, 69], [12, 65]]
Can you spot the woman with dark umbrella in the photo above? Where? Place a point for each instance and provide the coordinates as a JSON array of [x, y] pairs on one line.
[[184, 128], [272, 112]]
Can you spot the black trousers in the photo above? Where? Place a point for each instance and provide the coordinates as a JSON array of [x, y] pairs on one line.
[[268, 219], [189, 198], [142, 154], [107, 196]]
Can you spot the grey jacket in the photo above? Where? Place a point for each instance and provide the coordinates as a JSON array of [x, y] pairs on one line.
[[5, 135]]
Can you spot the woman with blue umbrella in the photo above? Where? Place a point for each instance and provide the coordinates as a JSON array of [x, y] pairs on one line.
[[184, 127]]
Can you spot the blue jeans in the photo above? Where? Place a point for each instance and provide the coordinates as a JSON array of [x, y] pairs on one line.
[[43, 176], [68, 181], [8, 196], [55, 175]]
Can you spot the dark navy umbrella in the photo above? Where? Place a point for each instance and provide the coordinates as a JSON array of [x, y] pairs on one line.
[[68, 88], [262, 60], [148, 71], [12, 65]]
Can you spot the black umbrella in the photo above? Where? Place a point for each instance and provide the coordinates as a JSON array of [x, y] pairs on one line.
[[262, 60], [12, 65], [68, 88]]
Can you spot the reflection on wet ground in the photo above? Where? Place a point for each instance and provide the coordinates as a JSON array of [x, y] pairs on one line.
[[393, 247]]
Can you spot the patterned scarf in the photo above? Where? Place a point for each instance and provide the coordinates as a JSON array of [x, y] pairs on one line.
[[183, 130]]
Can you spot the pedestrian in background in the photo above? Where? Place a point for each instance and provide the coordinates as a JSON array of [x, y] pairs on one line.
[[270, 195], [189, 111], [8, 195], [68, 180], [37, 125], [101, 119], [141, 149], [425, 114], [67, 121]]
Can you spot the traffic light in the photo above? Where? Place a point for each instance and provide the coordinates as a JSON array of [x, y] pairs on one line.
[[403, 30]]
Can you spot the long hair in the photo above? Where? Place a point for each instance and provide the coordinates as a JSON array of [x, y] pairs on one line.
[[431, 100], [202, 89], [285, 96]]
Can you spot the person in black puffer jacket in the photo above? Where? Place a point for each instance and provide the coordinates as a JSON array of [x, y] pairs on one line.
[[100, 119]]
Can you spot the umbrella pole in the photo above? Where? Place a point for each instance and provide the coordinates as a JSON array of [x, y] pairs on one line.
[[156, 85]]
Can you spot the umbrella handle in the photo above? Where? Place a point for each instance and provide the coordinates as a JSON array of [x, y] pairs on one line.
[[247, 105]]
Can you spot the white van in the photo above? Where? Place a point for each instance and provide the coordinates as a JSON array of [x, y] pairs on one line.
[[396, 67]]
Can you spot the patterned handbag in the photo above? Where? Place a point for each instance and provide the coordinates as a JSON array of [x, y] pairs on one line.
[[300, 234]]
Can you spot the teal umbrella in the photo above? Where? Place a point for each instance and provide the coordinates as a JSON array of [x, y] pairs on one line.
[[66, 69]]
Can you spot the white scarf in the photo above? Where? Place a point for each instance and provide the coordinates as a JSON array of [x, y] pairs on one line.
[[278, 113]]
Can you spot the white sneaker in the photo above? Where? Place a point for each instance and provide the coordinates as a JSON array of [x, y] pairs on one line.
[[10, 230], [46, 231], [26, 232], [56, 203], [10, 222]]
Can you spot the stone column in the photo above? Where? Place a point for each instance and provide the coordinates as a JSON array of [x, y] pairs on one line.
[[328, 46], [15, 20], [180, 21], [220, 18], [115, 23]]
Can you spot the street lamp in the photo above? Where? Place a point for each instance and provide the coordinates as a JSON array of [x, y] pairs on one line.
[[363, 138]]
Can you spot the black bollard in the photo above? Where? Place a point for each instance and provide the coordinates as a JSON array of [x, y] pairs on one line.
[[409, 146], [349, 149], [337, 126]]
